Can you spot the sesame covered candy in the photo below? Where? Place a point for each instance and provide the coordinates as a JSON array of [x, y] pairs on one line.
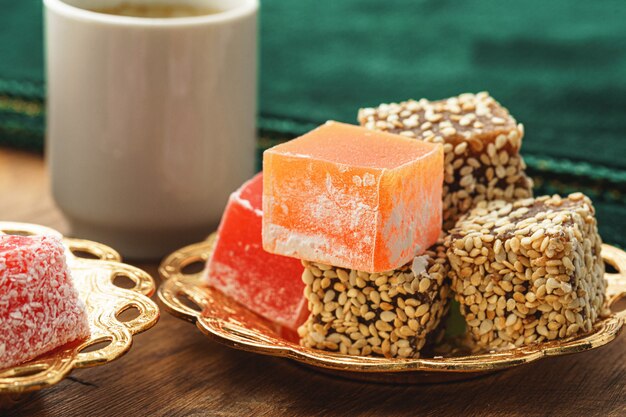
[[39, 306], [390, 314], [481, 146], [528, 271]]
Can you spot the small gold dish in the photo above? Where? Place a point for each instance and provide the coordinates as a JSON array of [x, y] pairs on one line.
[[94, 279], [226, 321]]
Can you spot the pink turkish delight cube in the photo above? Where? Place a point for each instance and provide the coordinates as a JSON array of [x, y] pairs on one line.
[[39, 306]]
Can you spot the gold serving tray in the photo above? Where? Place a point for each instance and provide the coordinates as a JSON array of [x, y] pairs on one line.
[[105, 301], [226, 321]]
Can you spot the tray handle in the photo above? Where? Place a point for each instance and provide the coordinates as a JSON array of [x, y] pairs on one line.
[[177, 283], [616, 289], [99, 251]]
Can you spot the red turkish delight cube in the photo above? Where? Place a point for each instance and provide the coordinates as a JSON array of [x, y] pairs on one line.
[[270, 285], [39, 306]]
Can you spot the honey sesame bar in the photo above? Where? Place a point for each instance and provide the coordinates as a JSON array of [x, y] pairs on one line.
[[528, 271], [481, 146], [389, 314]]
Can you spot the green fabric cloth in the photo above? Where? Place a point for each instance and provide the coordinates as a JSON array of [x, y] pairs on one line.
[[559, 66]]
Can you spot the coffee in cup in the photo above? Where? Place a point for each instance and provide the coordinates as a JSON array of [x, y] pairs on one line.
[[157, 10]]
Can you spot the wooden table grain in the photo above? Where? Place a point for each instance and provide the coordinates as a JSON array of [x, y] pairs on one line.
[[173, 370]]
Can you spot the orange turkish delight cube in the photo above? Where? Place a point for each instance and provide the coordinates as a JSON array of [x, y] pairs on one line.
[[350, 197]]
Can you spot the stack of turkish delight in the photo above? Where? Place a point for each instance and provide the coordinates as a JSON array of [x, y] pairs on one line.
[[358, 236]]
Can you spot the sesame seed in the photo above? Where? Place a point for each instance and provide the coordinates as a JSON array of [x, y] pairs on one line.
[[529, 286], [398, 321]]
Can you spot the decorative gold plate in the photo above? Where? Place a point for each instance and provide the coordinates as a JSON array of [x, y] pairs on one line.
[[228, 322], [105, 301]]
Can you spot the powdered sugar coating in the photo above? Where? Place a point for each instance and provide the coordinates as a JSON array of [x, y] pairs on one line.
[[39, 306], [361, 200], [268, 284]]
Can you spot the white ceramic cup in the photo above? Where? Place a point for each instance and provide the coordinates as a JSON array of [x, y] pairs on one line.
[[151, 122]]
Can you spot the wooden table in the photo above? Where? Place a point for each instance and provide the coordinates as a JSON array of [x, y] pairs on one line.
[[173, 370]]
